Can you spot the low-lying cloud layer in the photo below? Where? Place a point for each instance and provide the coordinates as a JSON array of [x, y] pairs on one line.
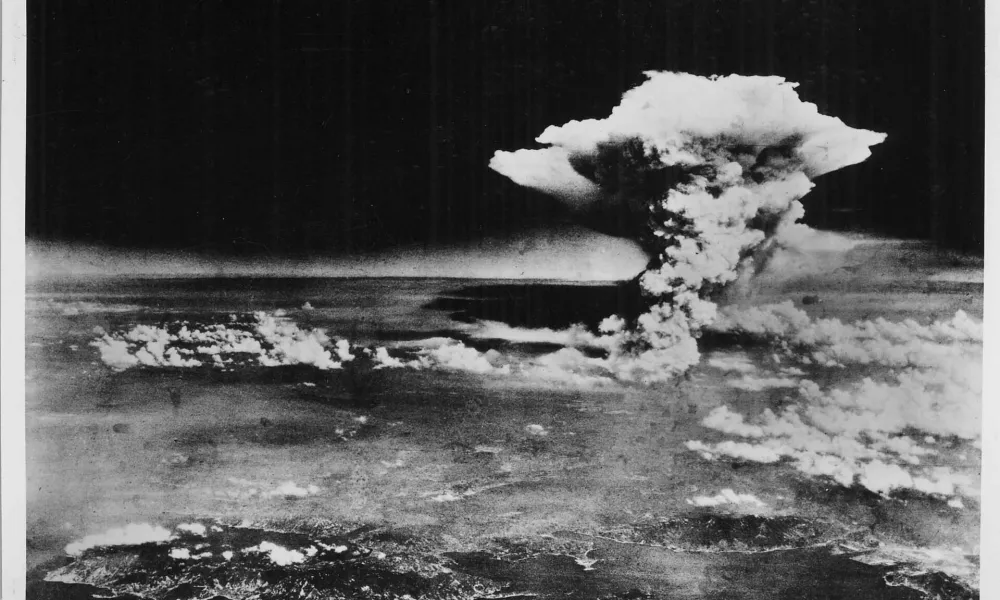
[[562, 253], [883, 432], [726, 497], [132, 534]]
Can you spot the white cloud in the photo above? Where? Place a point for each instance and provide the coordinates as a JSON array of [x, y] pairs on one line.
[[569, 367], [449, 354], [536, 430], [882, 477], [930, 382], [952, 561], [446, 497], [832, 342], [574, 336], [756, 384], [279, 555], [488, 449], [290, 489], [724, 420], [115, 353], [826, 465], [851, 435], [384, 361], [130, 535], [248, 489], [271, 340], [292, 345], [180, 553], [725, 496], [731, 362], [738, 450]]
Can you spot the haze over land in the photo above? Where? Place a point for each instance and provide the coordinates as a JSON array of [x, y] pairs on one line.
[[566, 253]]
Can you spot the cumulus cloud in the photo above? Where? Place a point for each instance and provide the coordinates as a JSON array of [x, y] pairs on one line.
[[115, 353], [929, 383], [830, 342], [724, 420], [574, 336], [857, 434], [756, 384], [383, 360], [132, 534], [934, 402], [536, 430], [737, 450], [279, 555], [453, 355], [726, 496], [953, 561], [246, 490], [289, 489], [448, 496], [569, 367], [264, 339], [731, 362]]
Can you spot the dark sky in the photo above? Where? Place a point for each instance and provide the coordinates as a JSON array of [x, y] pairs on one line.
[[291, 127]]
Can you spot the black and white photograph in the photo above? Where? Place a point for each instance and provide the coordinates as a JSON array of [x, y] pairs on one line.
[[501, 300]]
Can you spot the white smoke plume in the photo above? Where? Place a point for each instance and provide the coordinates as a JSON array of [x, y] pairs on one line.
[[712, 170]]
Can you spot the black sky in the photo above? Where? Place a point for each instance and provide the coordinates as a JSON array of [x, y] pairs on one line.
[[293, 126]]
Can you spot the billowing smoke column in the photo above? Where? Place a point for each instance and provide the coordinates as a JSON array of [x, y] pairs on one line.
[[708, 172]]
